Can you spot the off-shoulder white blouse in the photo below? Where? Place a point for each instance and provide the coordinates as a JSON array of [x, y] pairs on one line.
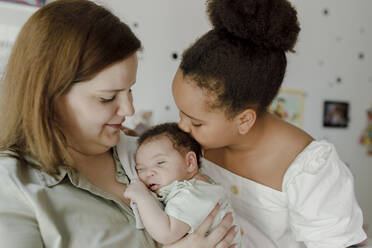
[[316, 207]]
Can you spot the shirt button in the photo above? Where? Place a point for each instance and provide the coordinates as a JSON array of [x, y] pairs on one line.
[[234, 190], [241, 231]]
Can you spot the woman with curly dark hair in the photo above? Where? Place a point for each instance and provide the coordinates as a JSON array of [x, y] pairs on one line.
[[292, 188]]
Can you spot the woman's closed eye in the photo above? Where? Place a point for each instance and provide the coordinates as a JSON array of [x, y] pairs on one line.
[[196, 124], [107, 99]]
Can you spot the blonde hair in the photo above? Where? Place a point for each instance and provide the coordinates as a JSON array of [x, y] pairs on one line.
[[64, 42]]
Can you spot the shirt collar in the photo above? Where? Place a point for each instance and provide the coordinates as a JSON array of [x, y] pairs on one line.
[[63, 171], [52, 180]]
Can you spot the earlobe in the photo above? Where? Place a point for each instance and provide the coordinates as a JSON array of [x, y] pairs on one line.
[[246, 120], [191, 161]]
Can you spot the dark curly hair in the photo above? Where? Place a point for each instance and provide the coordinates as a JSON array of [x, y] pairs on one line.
[[181, 141], [242, 60]]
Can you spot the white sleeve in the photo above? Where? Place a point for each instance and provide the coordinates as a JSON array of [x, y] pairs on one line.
[[323, 211]]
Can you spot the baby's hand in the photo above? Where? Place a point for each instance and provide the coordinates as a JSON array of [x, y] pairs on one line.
[[136, 190]]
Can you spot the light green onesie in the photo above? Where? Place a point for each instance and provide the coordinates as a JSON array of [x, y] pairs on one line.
[[191, 201]]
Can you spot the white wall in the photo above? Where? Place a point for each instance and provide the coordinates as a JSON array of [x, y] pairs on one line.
[[12, 17], [328, 48]]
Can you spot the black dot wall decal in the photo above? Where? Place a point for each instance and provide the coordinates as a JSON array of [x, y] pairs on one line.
[[320, 62], [338, 80], [174, 56], [135, 25], [325, 12], [167, 108], [361, 55]]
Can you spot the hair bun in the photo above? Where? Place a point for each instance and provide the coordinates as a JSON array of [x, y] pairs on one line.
[[267, 23]]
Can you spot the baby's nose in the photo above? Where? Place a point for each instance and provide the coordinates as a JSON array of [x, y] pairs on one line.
[[150, 173]]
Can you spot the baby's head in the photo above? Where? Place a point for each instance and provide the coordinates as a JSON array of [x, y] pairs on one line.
[[165, 154]]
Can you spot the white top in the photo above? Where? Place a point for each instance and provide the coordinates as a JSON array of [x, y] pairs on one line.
[[316, 207], [192, 200]]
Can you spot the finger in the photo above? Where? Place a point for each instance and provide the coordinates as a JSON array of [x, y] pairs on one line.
[[207, 223], [218, 233], [126, 195], [229, 237], [133, 181]]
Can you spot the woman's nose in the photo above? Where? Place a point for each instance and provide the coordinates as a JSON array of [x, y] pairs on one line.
[[125, 107], [183, 125]]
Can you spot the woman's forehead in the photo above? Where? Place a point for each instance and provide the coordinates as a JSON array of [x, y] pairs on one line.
[[194, 102]]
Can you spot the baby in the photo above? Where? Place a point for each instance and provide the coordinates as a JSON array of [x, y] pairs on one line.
[[167, 162]]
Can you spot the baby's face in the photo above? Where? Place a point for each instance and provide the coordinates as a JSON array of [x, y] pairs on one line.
[[158, 164]]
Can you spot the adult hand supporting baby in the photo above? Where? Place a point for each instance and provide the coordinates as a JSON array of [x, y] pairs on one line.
[[221, 237]]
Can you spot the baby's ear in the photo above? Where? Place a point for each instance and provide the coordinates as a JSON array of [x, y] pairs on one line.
[[191, 161]]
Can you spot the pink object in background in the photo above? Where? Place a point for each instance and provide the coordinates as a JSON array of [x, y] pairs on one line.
[[363, 243], [36, 3]]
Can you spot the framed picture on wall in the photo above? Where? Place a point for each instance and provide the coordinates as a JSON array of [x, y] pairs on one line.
[[366, 137], [335, 114], [288, 105]]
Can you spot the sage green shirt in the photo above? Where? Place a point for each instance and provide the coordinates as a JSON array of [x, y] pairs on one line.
[[38, 210]]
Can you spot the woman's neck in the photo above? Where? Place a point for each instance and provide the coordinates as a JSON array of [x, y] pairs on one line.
[[258, 135], [83, 159]]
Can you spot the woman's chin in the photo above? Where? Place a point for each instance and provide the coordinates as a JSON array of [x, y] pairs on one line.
[[110, 141], [114, 141]]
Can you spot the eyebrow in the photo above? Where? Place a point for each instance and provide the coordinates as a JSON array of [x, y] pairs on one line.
[[190, 116], [159, 155], [117, 90]]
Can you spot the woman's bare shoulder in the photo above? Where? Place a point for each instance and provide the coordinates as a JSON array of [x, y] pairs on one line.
[[279, 152], [288, 142], [293, 139]]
